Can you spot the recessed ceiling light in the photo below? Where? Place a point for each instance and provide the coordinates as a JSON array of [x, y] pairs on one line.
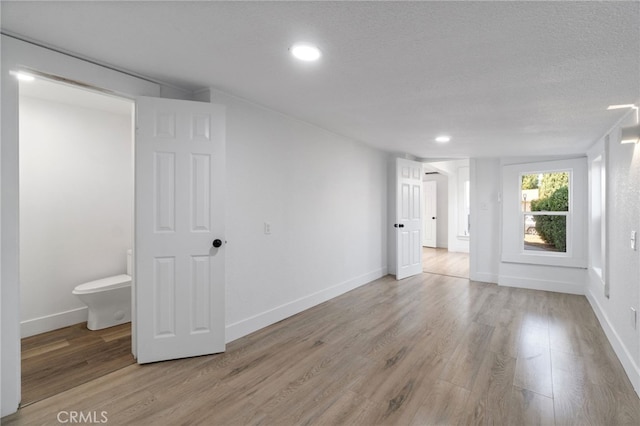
[[305, 52], [24, 77], [443, 139]]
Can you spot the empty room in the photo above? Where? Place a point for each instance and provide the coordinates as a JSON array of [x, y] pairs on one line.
[[319, 212]]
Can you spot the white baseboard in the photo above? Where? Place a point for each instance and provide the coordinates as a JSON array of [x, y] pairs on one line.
[[484, 277], [53, 322], [249, 325], [629, 365], [545, 285], [458, 249]]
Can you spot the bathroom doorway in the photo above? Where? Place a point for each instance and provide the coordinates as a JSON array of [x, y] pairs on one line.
[[76, 225]]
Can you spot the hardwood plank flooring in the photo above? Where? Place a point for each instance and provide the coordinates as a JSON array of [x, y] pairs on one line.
[[443, 262], [61, 359], [429, 349]]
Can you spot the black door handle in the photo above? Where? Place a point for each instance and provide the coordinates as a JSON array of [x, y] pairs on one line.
[[217, 243], [433, 217], [395, 225]]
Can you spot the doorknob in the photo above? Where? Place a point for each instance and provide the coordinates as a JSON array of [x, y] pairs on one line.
[[395, 225], [217, 243], [433, 217]]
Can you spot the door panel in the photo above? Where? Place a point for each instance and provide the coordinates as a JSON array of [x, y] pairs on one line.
[[430, 214], [179, 211], [408, 218]]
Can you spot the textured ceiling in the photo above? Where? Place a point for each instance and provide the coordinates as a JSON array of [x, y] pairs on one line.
[[502, 78]]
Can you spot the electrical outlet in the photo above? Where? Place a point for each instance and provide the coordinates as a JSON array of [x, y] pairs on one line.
[[267, 228], [634, 318]]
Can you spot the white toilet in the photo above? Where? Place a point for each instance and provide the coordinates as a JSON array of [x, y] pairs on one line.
[[108, 299]]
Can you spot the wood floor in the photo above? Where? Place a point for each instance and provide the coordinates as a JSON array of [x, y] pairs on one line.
[[62, 359], [426, 350], [441, 261]]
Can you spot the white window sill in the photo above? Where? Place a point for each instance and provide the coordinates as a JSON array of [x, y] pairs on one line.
[[545, 259]]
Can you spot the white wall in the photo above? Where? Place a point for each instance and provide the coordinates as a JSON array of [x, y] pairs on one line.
[[9, 402], [484, 255], [76, 206], [325, 198], [442, 208], [622, 216], [486, 258]]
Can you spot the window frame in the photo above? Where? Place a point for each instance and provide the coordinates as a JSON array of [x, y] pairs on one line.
[[568, 214], [513, 222]]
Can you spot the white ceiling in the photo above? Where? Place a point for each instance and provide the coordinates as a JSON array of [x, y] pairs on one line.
[[503, 78]]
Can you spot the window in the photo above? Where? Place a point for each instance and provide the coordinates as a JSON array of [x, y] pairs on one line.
[[545, 207], [545, 212], [597, 218]]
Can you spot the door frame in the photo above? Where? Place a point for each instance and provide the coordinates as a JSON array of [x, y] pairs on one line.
[[20, 55]]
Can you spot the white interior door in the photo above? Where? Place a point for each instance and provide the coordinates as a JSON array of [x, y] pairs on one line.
[[408, 218], [430, 214], [179, 219]]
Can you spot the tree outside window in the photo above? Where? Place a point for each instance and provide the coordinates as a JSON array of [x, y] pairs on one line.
[[545, 206]]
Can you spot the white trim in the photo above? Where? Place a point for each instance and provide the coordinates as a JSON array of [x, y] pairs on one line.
[[249, 325], [545, 285], [53, 322], [484, 277], [629, 365], [83, 58]]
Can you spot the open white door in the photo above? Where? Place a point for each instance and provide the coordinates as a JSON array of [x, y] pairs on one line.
[[430, 215], [179, 229], [408, 218]]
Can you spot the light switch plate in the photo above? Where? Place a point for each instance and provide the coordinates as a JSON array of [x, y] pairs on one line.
[[634, 240]]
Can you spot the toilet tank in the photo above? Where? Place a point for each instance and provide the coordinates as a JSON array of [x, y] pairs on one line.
[[129, 259]]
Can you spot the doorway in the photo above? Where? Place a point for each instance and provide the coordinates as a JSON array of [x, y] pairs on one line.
[[76, 225], [446, 217]]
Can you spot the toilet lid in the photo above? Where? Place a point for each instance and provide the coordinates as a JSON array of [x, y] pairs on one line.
[[109, 283]]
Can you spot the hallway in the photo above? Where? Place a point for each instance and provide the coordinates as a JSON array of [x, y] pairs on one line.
[[443, 262]]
